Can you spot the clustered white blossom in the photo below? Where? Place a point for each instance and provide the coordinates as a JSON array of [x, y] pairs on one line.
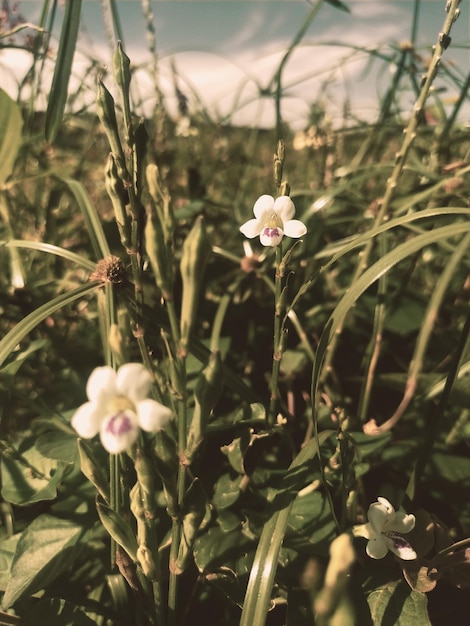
[[273, 220], [385, 530], [118, 405]]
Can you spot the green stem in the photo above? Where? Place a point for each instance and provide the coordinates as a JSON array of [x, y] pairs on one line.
[[278, 340]]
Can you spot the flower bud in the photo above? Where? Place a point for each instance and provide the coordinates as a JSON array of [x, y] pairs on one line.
[[195, 255]]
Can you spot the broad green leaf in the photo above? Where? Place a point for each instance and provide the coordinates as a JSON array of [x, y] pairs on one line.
[[7, 552], [226, 491], [217, 548], [28, 477], [63, 68], [395, 604], [11, 124], [58, 445], [42, 555], [310, 523]]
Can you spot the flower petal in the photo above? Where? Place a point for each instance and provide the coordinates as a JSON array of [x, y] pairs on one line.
[[294, 228], [152, 415], [363, 530], [251, 229], [119, 431], [284, 207], [87, 420], [377, 547], [399, 546], [402, 523], [271, 236], [380, 513], [133, 381], [264, 205], [101, 384]]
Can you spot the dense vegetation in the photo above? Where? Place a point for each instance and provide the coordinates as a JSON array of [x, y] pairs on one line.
[[305, 379]]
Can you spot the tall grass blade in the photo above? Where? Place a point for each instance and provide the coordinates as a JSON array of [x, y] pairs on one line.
[[63, 68], [92, 219], [263, 571]]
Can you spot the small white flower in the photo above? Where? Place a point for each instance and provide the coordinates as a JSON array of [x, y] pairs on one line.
[[117, 406], [273, 220], [385, 531]]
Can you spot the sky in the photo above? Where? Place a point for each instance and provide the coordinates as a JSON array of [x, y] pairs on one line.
[[226, 52]]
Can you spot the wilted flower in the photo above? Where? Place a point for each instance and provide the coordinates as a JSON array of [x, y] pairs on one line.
[[385, 531], [118, 405], [273, 220]]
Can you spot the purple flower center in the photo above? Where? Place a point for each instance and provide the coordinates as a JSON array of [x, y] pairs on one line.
[[271, 232], [399, 542], [119, 424]]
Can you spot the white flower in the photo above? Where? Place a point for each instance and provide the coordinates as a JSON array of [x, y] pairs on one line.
[[385, 531], [117, 406], [273, 221]]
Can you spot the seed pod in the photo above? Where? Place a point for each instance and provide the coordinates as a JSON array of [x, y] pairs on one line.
[[157, 253], [119, 199], [107, 114], [121, 66], [194, 511], [166, 463], [92, 469], [206, 394], [195, 255]]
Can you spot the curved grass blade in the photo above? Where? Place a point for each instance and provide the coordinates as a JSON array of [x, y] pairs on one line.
[[92, 220], [49, 248], [63, 67], [339, 249], [11, 124], [263, 571], [26, 325], [374, 272]]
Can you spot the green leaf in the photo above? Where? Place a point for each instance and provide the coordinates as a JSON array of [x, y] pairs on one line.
[[11, 124], [395, 604], [29, 477], [310, 523], [42, 555], [7, 552], [227, 491], [217, 548], [118, 528], [63, 67], [58, 445], [57, 612]]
